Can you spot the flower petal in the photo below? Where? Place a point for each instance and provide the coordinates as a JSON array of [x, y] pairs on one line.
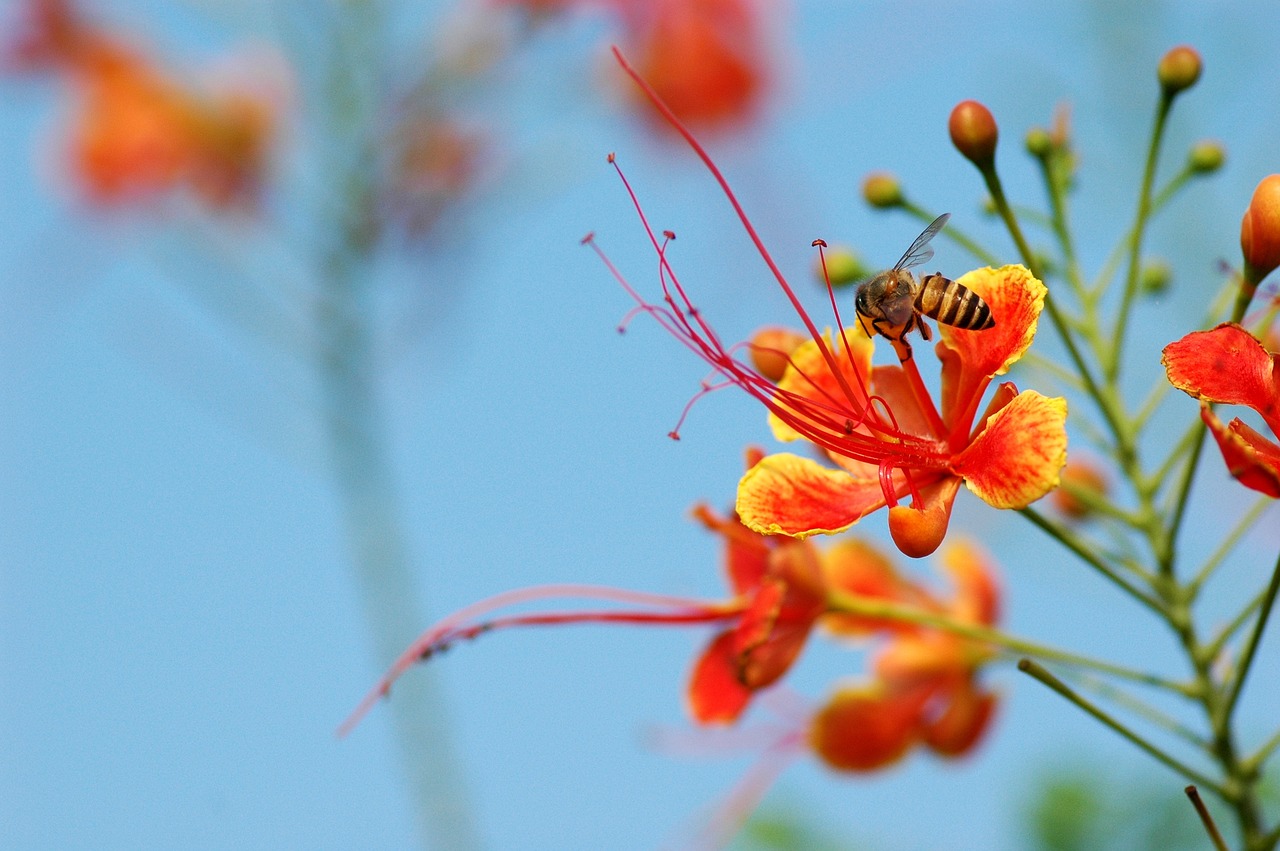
[[977, 598], [863, 728], [715, 694], [917, 530], [971, 358], [1018, 455], [961, 724], [809, 376], [746, 554], [790, 495], [855, 567], [1228, 365], [1252, 459]]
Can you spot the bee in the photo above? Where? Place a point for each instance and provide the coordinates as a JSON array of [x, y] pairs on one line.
[[894, 301]]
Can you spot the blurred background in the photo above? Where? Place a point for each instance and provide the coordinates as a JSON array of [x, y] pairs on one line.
[[279, 394]]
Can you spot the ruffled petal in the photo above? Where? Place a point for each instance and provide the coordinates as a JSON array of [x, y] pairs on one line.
[[1227, 365], [786, 494], [809, 376], [1252, 459], [715, 695], [1018, 455], [971, 358]]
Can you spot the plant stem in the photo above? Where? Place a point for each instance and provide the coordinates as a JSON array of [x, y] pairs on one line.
[[1206, 818]]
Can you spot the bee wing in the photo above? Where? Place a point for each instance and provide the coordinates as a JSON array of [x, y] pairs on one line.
[[920, 252]]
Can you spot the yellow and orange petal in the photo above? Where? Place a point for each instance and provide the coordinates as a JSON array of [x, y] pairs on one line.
[[809, 374], [977, 585], [1018, 455], [866, 727], [786, 494], [971, 358]]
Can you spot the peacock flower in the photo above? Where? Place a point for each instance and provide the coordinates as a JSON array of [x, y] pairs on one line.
[[924, 687], [886, 438], [879, 426], [1227, 365]]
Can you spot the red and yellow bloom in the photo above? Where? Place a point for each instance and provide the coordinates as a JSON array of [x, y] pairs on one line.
[[880, 428], [1228, 365]]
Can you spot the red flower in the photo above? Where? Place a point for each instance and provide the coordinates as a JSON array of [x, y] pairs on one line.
[[1228, 365], [924, 688]]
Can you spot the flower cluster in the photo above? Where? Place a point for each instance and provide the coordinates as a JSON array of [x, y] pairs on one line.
[[922, 687], [136, 132]]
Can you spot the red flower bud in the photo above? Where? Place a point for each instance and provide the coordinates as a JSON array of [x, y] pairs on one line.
[[1179, 69], [1260, 230], [974, 132]]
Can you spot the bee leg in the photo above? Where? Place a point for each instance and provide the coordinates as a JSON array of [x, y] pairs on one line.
[[901, 347], [925, 331]]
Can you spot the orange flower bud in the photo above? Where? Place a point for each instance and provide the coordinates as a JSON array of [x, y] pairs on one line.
[[974, 132], [882, 190], [1179, 69], [771, 350], [1079, 477], [1260, 230]]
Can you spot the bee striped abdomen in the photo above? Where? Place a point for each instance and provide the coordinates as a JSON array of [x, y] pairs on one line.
[[953, 304]]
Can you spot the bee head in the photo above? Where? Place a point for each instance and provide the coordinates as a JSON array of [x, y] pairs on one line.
[[860, 302]]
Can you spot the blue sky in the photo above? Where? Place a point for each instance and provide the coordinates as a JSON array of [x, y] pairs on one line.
[[180, 631]]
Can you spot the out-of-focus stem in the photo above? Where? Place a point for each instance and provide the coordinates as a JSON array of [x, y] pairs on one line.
[[364, 474]]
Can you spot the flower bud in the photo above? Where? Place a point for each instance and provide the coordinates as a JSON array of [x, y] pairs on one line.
[[1206, 157], [1039, 143], [1260, 230], [882, 190], [771, 350], [1179, 69], [1155, 277], [840, 266], [974, 133], [1080, 480]]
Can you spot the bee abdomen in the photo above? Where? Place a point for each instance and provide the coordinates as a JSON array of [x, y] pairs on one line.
[[953, 304]]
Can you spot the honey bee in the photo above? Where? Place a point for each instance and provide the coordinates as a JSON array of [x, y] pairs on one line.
[[894, 301]]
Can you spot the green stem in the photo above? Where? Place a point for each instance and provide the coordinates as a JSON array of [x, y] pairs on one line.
[[1087, 554], [1121, 328], [1038, 672], [1251, 647], [843, 603], [954, 234], [1229, 543]]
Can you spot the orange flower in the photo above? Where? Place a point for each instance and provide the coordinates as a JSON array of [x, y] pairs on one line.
[[705, 58], [880, 427], [924, 689], [136, 133], [1228, 365]]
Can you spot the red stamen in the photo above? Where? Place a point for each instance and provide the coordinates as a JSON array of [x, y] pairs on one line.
[[454, 627]]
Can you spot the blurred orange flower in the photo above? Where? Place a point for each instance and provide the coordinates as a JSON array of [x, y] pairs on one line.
[[135, 132]]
